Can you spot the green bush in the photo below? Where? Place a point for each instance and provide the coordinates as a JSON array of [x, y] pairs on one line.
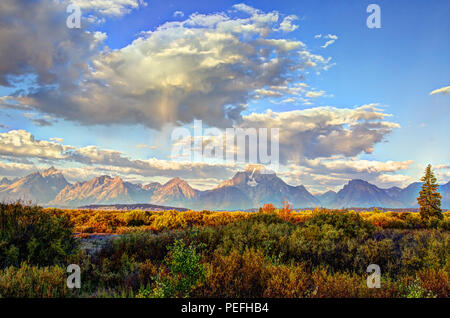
[[29, 234], [184, 273], [330, 239]]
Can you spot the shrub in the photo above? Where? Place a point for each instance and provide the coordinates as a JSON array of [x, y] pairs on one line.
[[330, 239], [183, 274], [29, 234], [29, 281], [236, 275], [287, 281], [414, 290]]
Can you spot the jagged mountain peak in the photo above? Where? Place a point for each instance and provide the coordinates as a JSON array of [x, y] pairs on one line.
[[252, 175], [176, 184], [246, 189], [175, 192], [5, 181], [255, 186], [258, 169], [175, 181], [101, 190], [254, 168], [359, 182], [102, 178], [36, 187], [360, 193], [50, 171]]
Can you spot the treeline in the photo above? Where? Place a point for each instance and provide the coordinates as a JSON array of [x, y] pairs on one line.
[[204, 254], [95, 221]]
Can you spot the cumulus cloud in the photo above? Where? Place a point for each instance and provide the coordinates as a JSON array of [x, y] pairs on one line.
[[304, 135], [332, 173], [352, 166], [206, 67], [16, 169], [246, 8], [109, 7], [318, 173], [287, 24], [35, 40], [22, 144], [443, 90], [391, 180], [324, 131]]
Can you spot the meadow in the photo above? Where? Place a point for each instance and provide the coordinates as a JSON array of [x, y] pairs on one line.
[[270, 253]]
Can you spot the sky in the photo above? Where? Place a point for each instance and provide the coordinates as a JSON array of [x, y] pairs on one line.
[[106, 98]]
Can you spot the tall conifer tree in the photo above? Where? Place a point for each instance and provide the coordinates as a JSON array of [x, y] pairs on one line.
[[429, 198]]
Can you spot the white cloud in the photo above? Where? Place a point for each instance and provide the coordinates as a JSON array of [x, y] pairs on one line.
[[43, 48], [323, 174], [318, 173], [288, 100], [267, 93], [390, 180], [245, 8], [178, 14], [20, 143], [443, 90], [287, 24], [315, 94], [331, 39], [16, 169], [348, 166], [328, 43], [324, 131], [109, 7], [206, 67]]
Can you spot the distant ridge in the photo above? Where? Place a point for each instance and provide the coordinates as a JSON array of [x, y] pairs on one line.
[[246, 190], [360, 193], [37, 187], [130, 207]]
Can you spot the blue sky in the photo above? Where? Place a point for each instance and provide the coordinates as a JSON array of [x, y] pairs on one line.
[[395, 67]]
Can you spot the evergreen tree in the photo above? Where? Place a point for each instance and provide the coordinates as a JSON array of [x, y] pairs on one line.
[[429, 198]]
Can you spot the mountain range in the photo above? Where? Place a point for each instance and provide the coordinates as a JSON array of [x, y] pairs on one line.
[[247, 189]]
